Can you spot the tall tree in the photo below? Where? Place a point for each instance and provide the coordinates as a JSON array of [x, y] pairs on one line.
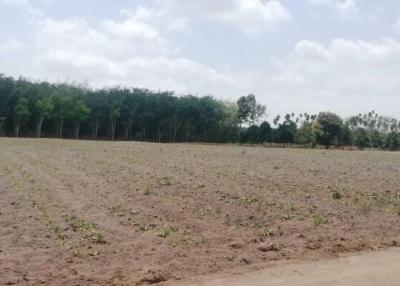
[[78, 113], [305, 135], [22, 114], [249, 111], [44, 108], [361, 138], [328, 129]]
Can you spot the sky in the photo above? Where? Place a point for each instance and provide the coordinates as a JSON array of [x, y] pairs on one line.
[[294, 55]]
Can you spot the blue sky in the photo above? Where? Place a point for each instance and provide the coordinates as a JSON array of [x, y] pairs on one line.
[[294, 55]]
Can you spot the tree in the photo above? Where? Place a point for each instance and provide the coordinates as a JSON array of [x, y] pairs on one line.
[[78, 113], [6, 102], [377, 139], [393, 141], [62, 104], [250, 135], [361, 138], [328, 129], [264, 133], [305, 135], [21, 114], [346, 138], [286, 132], [44, 108], [115, 98], [249, 111]]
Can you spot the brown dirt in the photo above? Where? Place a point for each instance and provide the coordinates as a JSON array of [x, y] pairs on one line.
[[100, 213], [368, 269]]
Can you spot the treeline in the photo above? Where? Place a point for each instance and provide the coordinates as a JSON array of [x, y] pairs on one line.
[[328, 129], [41, 109]]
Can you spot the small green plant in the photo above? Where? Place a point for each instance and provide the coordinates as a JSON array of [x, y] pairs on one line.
[[270, 231], [80, 225], [336, 195], [56, 230], [318, 220], [166, 181], [147, 191], [249, 200], [164, 231], [89, 230], [76, 252], [202, 239], [98, 237]]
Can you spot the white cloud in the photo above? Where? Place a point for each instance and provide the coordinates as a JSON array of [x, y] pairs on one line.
[[254, 15], [343, 76], [396, 26], [11, 45], [346, 9], [26, 8], [250, 16], [128, 52]]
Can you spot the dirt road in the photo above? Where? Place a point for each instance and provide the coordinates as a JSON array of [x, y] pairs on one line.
[[371, 269]]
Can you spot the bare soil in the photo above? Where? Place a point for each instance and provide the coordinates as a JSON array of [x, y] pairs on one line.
[[368, 269], [102, 213]]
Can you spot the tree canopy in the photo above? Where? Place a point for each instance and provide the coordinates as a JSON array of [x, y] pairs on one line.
[[64, 110]]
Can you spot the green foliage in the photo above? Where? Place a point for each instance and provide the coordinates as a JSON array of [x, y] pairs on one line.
[[305, 135], [361, 138], [78, 111], [393, 141], [346, 136], [329, 128], [249, 111], [377, 139], [286, 132], [69, 110], [22, 113], [44, 106]]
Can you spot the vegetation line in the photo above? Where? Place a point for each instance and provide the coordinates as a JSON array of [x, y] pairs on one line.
[[41, 109]]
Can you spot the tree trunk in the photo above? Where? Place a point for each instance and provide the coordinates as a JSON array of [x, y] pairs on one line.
[[176, 127], [126, 131], [39, 127], [17, 127], [159, 135], [2, 121], [144, 134], [113, 125], [95, 128], [77, 127], [60, 128], [130, 128]]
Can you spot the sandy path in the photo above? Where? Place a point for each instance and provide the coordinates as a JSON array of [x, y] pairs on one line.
[[370, 269]]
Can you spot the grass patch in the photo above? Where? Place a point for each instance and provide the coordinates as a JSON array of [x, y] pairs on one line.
[[319, 219], [89, 230]]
